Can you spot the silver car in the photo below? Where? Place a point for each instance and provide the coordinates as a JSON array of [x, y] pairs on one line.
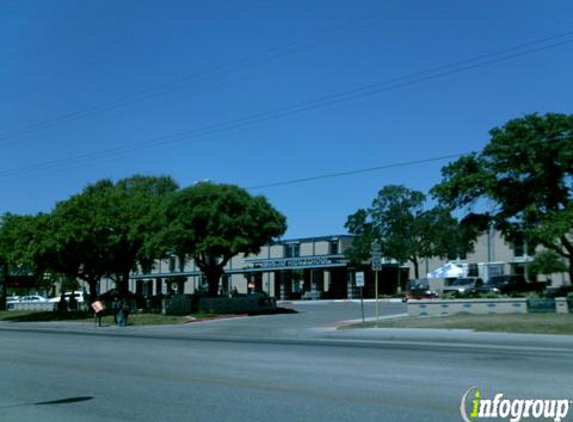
[[29, 299], [462, 286]]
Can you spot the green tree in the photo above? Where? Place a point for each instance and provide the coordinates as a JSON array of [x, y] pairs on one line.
[[105, 230], [520, 182], [214, 222], [21, 238], [547, 262], [405, 230]]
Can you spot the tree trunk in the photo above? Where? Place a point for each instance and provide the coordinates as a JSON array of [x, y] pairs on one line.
[[93, 290], [213, 275], [123, 284], [416, 268]]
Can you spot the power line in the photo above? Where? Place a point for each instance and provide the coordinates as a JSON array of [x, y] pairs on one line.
[[166, 88], [301, 107], [355, 171], [388, 166]]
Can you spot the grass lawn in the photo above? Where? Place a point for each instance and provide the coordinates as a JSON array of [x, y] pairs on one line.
[[134, 319], [510, 323]]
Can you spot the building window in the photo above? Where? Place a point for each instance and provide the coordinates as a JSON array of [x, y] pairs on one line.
[[334, 247], [292, 250], [519, 248]]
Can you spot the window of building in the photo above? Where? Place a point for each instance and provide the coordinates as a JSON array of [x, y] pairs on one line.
[[334, 247], [292, 250], [519, 248]]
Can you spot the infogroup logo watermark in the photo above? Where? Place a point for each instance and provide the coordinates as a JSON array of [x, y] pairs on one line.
[[474, 407]]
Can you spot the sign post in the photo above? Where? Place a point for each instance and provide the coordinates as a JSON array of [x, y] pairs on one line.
[[360, 283], [376, 254]]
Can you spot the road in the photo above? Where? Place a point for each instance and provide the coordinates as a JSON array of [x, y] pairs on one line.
[[138, 375]]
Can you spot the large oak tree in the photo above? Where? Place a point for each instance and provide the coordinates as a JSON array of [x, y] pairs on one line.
[[521, 182], [214, 222], [105, 230], [21, 238], [405, 229]]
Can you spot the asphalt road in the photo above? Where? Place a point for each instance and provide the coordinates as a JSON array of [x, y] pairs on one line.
[[137, 375]]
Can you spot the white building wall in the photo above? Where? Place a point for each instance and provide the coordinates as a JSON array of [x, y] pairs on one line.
[[307, 248], [322, 247], [276, 251]]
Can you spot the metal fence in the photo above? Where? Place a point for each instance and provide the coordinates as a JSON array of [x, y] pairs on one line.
[[541, 305]]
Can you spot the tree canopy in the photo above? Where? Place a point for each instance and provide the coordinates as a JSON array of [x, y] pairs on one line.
[[111, 229], [105, 230], [521, 182], [547, 262], [405, 229], [214, 222]]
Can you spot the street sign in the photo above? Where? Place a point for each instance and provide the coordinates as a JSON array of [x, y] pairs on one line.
[[376, 254], [360, 279]]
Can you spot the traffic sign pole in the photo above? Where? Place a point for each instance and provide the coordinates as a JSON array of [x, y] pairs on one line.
[[376, 254], [360, 283], [376, 293], [362, 304]]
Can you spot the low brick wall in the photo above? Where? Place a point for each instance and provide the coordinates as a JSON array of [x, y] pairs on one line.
[[470, 306], [562, 305], [476, 306], [39, 306]]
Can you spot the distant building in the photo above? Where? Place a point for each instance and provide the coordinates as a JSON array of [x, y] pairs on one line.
[[287, 269]]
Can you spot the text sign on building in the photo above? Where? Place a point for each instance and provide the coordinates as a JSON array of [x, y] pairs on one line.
[[376, 254], [360, 279], [300, 262]]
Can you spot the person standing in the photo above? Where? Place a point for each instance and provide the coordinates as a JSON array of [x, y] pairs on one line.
[[121, 313], [115, 309]]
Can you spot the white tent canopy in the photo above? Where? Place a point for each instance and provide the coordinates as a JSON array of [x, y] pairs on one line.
[[448, 270]]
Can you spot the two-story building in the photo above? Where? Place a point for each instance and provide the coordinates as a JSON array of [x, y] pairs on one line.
[[286, 269]]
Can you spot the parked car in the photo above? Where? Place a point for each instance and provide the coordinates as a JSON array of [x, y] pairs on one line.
[[419, 290], [506, 284], [462, 286], [28, 299]]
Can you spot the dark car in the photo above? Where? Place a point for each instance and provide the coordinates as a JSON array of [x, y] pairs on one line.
[[506, 284], [462, 286], [420, 290]]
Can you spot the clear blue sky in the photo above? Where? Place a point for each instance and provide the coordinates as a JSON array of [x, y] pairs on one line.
[[267, 91]]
